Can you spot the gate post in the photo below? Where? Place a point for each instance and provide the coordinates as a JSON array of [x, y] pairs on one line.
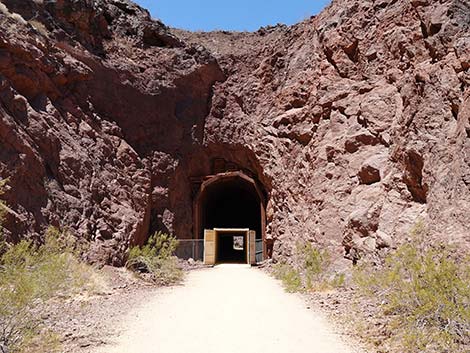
[[209, 247], [252, 247]]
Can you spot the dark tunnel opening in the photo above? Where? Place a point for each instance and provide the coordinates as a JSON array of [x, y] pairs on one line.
[[231, 203], [231, 248]]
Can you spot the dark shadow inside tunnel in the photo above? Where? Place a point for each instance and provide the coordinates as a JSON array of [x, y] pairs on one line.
[[231, 203], [231, 248]]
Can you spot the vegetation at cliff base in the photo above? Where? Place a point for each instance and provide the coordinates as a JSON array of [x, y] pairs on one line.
[[310, 270], [155, 260], [30, 275], [289, 276], [423, 290]]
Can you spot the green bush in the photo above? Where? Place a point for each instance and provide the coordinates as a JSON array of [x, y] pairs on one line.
[[338, 280], [311, 270], [290, 277], [156, 259], [425, 292], [314, 265], [29, 276]]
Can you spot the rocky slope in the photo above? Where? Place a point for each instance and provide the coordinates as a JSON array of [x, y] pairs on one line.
[[355, 122]]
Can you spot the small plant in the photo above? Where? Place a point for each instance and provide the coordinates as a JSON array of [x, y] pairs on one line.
[[156, 259], [425, 293], [290, 277], [338, 280], [311, 270], [314, 264], [30, 275]]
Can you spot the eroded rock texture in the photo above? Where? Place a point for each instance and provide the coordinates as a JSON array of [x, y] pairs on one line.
[[355, 122]]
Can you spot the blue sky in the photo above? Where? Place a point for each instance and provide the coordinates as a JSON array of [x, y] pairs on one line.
[[231, 14]]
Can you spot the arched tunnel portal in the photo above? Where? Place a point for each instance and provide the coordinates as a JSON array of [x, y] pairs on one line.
[[230, 200]]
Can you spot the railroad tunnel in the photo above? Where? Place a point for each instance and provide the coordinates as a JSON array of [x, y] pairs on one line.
[[233, 202]]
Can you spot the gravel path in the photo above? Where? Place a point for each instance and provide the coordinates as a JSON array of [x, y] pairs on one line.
[[226, 309]]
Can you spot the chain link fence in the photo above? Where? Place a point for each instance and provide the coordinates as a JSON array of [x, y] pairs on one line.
[[190, 249], [194, 249]]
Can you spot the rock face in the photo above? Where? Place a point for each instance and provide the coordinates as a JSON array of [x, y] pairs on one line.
[[355, 123]]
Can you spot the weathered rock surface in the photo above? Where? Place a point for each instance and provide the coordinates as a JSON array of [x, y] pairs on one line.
[[96, 99], [355, 122]]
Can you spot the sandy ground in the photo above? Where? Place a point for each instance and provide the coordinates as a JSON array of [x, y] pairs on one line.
[[226, 309]]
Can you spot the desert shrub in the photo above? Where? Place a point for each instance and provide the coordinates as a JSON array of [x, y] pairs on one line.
[[30, 275], [290, 277], [424, 291], [338, 280], [156, 260], [310, 270], [314, 265]]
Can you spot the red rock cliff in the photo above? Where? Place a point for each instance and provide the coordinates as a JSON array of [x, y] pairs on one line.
[[355, 122]]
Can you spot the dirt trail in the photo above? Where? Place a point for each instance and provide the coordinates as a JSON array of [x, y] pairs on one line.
[[227, 309]]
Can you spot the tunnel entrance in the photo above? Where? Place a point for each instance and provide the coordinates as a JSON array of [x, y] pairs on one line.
[[231, 204], [232, 248], [231, 201]]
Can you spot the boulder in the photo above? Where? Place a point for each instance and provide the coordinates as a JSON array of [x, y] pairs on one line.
[[370, 171]]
